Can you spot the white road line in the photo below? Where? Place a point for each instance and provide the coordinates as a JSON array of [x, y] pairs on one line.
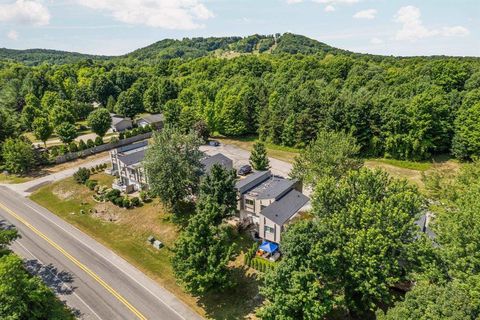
[[86, 245], [56, 277]]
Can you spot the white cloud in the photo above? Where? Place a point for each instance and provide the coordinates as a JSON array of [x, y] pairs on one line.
[[414, 29], [376, 40], [329, 8], [337, 1], [12, 35], [457, 31], [168, 14], [294, 1], [366, 14], [28, 12]]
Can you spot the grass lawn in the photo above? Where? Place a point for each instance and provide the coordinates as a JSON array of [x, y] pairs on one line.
[[127, 237], [12, 178]]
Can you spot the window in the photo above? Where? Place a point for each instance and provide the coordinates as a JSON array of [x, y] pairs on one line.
[[269, 229], [249, 202]]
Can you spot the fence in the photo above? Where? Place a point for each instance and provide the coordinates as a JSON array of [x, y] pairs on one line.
[[104, 147]]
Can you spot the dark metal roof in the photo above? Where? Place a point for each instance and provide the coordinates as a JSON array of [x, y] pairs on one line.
[[132, 146], [252, 180], [218, 158], [273, 188], [132, 158], [286, 207], [153, 118]]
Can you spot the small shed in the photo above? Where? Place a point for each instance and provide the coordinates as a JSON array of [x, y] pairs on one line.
[[120, 123], [154, 120]]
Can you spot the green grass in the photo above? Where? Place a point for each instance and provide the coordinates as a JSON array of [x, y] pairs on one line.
[[12, 178], [127, 237], [405, 164]]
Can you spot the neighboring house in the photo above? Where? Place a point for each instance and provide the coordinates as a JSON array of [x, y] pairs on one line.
[[127, 166], [154, 120], [269, 202], [120, 123]]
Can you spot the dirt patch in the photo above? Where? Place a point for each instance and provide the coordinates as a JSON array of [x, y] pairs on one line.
[[106, 212], [63, 194]]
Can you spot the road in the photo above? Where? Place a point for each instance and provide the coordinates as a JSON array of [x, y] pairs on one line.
[[93, 280]]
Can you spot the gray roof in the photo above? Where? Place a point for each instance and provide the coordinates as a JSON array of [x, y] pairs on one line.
[[132, 158], [133, 146], [273, 188], [252, 180], [218, 158], [153, 118], [286, 207], [116, 119]]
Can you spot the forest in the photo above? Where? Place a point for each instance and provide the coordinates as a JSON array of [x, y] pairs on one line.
[[402, 108]]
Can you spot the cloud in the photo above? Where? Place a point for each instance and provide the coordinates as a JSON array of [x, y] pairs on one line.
[[329, 8], [294, 1], [337, 1], [457, 31], [414, 29], [26, 12], [167, 14], [12, 35], [376, 40], [366, 14]]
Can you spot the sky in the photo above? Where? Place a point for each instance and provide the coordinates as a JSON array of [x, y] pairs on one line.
[[114, 27]]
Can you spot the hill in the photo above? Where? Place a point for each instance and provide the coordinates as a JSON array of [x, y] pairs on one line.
[[38, 56]]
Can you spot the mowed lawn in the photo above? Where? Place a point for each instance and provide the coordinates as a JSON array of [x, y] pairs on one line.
[[126, 234]]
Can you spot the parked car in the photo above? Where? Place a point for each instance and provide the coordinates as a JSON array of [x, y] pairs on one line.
[[244, 170], [213, 143]]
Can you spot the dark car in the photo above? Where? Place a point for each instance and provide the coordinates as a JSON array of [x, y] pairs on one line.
[[244, 170], [214, 143]]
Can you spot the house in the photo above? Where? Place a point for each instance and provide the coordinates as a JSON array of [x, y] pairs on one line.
[[154, 120], [120, 123], [269, 202], [127, 166], [218, 158]]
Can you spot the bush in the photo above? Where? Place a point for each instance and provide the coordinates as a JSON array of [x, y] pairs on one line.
[[121, 135], [143, 195], [81, 176], [112, 194], [82, 145], [90, 143], [135, 202], [54, 151], [63, 149], [126, 202], [91, 184], [72, 147], [118, 201], [92, 170], [98, 141], [114, 140]]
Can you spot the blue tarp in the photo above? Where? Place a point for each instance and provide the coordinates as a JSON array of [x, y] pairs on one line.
[[269, 247]]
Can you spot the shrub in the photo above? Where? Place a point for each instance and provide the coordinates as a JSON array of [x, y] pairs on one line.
[[54, 151], [135, 202], [82, 211], [82, 145], [72, 147], [126, 203], [91, 184], [63, 149], [82, 175], [112, 194], [118, 201], [143, 195], [90, 143], [98, 141], [114, 140], [92, 170], [121, 135]]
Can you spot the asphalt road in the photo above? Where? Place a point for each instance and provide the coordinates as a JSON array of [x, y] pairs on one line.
[[93, 280]]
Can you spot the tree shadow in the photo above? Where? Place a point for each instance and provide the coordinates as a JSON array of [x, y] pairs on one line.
[[237, 302], [59, 281]]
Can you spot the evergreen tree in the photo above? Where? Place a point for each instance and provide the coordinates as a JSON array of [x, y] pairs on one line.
[[258, 157]]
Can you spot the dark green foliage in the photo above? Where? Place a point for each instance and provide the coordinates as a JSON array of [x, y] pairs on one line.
[[466, 142], [91, 184], [90, 143], [201, 129], [129, 103], [98, 141], [100, 121], [82, 145], [112, 194], [218, 187], [202, 253], [42, 129], [81, 175], [135, 202], [72, 147], [18, 156], [259, 158]]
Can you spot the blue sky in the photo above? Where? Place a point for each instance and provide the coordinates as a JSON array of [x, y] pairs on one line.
[[119, 26]]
